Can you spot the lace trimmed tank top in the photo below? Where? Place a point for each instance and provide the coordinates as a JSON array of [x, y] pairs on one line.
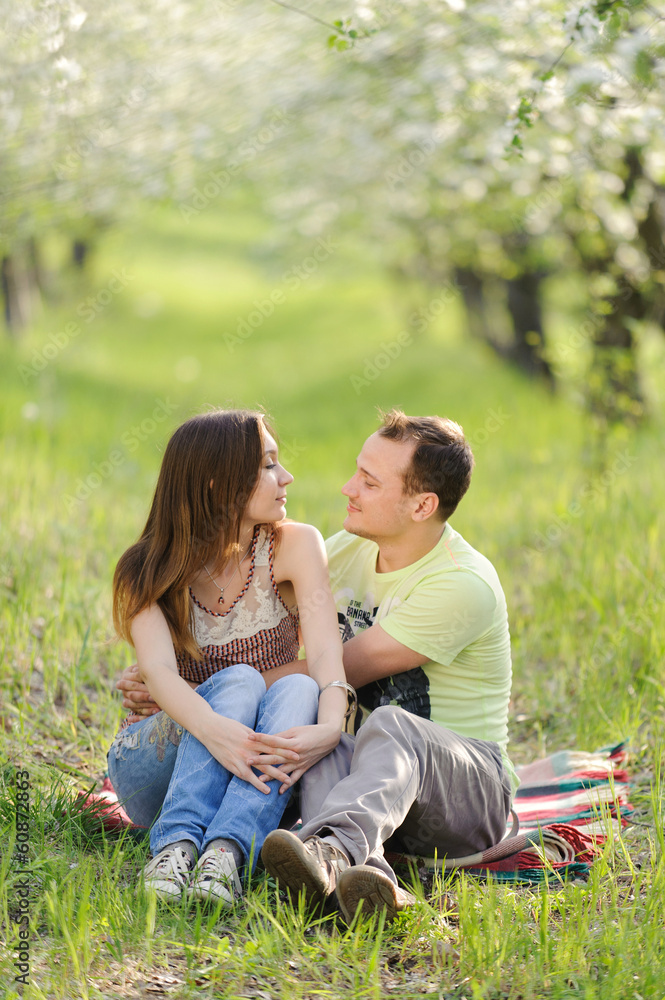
[[258, 628]]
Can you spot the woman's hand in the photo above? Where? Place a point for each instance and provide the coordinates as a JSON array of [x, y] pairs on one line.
[[311, 744], [232, 744]]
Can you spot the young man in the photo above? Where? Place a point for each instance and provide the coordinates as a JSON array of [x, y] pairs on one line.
[[424, 622]]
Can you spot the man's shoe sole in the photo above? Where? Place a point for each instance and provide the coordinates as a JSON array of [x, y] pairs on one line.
[[287, 859], [369, 886]]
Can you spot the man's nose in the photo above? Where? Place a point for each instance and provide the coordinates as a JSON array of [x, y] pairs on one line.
[[349, 489]]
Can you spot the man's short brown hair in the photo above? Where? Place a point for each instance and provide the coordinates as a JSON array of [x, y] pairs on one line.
[[442, 461]]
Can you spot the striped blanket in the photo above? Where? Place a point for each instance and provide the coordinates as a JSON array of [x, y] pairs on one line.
[[567, 805]]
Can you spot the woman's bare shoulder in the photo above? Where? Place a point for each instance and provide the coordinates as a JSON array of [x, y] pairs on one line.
[[299, 539], [298, 529]]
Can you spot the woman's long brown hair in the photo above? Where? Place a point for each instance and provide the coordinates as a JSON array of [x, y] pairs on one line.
[[191, 522]]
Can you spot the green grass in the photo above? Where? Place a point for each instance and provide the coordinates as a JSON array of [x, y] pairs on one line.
[[579, 555]]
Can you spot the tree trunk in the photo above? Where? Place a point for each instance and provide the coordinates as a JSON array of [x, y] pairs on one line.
[[36, 269], [615, 392], [16, 294], [511, 325], [80, 251], [473, 293], [524, 305], [651, 227]]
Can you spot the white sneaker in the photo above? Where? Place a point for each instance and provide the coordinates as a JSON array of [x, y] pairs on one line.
[[168, 873], [215, 877]]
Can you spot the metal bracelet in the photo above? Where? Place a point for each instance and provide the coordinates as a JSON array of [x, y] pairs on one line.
[[351, 691]]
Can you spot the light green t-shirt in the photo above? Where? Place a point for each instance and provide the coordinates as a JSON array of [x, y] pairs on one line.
[[450, 607]]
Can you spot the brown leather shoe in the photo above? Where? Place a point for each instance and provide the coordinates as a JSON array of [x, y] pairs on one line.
[[369, 886], [312, 865]]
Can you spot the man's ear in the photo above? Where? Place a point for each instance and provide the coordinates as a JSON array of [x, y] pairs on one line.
[[426, 505]]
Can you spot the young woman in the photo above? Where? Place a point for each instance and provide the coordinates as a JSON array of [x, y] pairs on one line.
[[211, 597]]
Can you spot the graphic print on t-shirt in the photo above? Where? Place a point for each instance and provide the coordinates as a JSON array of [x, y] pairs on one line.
[[409, 690]]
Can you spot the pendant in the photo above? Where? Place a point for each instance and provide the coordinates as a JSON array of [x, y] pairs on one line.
[[221, 596]]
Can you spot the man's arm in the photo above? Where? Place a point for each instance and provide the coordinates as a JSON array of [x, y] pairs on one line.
[[437, 620], [373, 654]]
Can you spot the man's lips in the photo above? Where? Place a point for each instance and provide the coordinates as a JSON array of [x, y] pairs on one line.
[[351, 509]]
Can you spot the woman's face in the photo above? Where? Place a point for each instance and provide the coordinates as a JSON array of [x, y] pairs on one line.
[[268, 501]]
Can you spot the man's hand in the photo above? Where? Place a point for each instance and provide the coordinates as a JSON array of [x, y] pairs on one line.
[[136, 695]]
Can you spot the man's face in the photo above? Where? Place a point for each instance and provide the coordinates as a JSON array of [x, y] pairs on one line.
[[378, 507]]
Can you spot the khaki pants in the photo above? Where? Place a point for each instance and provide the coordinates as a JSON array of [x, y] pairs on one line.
[[404, 775]]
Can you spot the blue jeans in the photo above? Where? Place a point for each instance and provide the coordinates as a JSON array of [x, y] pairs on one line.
[[154, 763]]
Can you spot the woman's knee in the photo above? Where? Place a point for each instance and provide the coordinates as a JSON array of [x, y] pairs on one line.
[[298, 685], [239, 676], [295, 698]]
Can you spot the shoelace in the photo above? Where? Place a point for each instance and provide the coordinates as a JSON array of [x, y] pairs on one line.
[[327, 853], [175, 863], [209, 868]]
